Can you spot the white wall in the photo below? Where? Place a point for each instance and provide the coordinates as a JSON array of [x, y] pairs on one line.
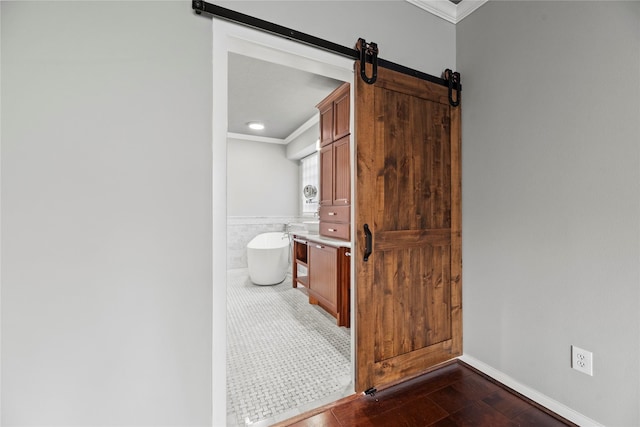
[[551, 198], [263, 194], [261, 181], [106, 214], [304, 144]]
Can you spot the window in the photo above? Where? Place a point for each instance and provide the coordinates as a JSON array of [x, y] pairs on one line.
[[310, 177]]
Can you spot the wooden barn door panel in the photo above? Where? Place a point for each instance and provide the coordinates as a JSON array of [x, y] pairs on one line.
[[408, 293]]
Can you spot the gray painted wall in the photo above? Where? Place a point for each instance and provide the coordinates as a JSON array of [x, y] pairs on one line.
[[106, 199], [261, 181], [404, 33], [551, 198], [106, 214]]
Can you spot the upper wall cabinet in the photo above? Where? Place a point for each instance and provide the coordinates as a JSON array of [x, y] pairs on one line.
[[335, 165], [334, 115]]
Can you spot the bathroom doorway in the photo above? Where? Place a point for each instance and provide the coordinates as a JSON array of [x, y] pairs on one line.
[[246, 302]]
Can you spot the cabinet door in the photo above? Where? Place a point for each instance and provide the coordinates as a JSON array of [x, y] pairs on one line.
[[341, 173], [341, 112], [344, 287], [326, 175], [326, 125], [323, 275]]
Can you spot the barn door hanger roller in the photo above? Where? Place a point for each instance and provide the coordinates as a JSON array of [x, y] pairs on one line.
[[453, 80], [365, 52], [368, 53]]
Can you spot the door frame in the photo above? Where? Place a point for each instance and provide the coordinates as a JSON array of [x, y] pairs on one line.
[[234, 38]]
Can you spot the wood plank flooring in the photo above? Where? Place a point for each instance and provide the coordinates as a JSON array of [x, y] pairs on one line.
[[453, 395]]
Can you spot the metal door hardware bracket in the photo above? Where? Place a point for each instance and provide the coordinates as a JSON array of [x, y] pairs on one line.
[[368, 237], [453, 79], [368, 51]]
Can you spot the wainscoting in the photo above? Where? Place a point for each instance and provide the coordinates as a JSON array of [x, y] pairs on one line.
[[241, 229]]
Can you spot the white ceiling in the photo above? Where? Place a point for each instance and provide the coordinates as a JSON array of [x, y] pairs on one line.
[[285, 98], [281, 97]]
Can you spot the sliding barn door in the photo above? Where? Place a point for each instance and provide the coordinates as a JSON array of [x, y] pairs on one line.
[[408, 292]]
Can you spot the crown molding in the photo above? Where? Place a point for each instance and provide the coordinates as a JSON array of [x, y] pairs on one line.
[[254, 138], [447, 10], [314, 120]]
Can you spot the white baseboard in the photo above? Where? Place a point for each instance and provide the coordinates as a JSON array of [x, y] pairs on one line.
[[541, 399]]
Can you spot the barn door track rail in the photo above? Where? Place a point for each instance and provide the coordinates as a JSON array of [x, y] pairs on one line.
[[365, 52]]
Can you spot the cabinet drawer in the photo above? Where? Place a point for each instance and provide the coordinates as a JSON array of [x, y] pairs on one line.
[[335, 230], [335, 213]]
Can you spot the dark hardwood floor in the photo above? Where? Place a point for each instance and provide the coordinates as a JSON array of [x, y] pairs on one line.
[[453, 395]]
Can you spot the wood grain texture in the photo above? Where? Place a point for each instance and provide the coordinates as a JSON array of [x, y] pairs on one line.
[[326, 125], [341, 112], [364, 214], [335, 111], [408, 301], [326, 175], [323, 274], [335, 213], [341, 172], [335, 161], [456, 229], [328, 281]]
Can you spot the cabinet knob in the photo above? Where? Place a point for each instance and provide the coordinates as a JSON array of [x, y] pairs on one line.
[[333, 229], [319, 247], [347, 254], [331, 213]]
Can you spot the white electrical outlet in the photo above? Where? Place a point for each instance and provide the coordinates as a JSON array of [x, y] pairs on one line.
[[582, 360]]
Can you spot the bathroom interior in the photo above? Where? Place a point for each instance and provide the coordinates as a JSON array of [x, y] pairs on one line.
[[287, 352]]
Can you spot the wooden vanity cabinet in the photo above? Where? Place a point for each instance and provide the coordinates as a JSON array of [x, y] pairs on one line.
[[325, 272], [329, 280], [300, 273], [335, 162]]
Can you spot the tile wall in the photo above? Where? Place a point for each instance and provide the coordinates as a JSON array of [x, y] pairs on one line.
[[241, 229]]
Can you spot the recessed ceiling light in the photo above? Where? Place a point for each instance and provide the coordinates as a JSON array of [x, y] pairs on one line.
[[255, 125]]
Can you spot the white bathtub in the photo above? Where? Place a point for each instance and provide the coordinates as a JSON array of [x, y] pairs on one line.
[[268, 258]]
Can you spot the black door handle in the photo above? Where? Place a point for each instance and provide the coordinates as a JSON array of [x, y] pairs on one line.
[[367, 242]]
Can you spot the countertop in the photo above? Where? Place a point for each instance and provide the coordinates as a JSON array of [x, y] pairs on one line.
[[315, 237]]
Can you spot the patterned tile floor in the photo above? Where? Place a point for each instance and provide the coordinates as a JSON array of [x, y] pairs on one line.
[[284, 356]]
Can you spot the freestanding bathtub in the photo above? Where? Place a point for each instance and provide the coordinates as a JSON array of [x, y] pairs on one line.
[[268, 258]]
